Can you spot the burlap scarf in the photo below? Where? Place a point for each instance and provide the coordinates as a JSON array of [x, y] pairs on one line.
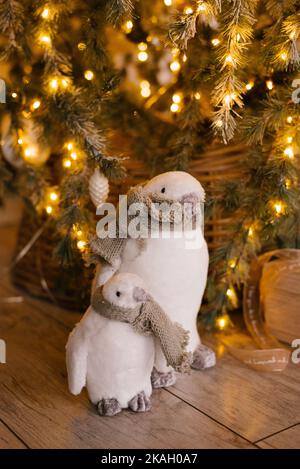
[[110, 249], [149, 318]]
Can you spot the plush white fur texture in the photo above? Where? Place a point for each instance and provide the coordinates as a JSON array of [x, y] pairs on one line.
[[175, 275], [107, 356]]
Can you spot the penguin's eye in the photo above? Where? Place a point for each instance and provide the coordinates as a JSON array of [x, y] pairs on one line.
[[118, 293], [163, 190]]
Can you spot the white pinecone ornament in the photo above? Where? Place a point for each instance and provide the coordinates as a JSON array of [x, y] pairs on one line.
[[98, 188]]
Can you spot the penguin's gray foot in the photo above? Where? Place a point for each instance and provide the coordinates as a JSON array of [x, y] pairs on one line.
[[162, 380], [140, 403], [109, 407], [203, 357]]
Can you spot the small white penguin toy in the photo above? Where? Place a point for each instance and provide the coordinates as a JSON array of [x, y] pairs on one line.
[[174, 270], [108, 357]]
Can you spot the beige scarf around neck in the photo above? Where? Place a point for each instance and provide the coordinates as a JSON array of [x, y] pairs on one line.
[[149, 318]]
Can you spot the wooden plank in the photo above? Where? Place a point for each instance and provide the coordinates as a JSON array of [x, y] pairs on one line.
[[37, 406], [287, 439], [251, 403], [8, 440]]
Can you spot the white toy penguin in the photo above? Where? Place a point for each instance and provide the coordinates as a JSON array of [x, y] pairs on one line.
[[111, 350], [108, 357], [174, 269]]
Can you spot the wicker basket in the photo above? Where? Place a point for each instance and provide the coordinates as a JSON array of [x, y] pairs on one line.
[[39, 274]]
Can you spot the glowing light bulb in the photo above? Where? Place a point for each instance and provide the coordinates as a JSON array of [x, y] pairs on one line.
[[292, 35], [201, 7], [249, 85], [184, 58], [232, 263], [168, 3], [14, 95], [289, 152], [176, 98], [142, 46], [142, 56], [45, 39], [283, 56], [69, 146], [278, 207], [65, 82], [20, 141], [145, 89], [215, 42], [81, 46], [81, 245], [127, 27], [230, 293], [49, 209], [289, 139], [53, 196], [67, 163], [197, 95], [30, 152], [188, 10], [53, 84], [228, 99], [288, 183], [89, 75], [289, 119], [73, 155], [269, 84], [45, 13], [229, 59], [219, 123], [251, 232], [175, 66], [35, 105], [174, 107], [79, 233], [222, 322]]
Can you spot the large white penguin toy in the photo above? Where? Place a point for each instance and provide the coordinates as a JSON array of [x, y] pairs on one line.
[[173, 268]]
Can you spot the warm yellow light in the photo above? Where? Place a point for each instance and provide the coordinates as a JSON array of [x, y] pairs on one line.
[[69, 146], [54, 84], [175, 51], [251, 232], [222, 322], [36, 104], [188, 10], [142, 56], [168, 3], [88, 75], [288, 183], [78, 233], [174, 107], [292, 35], [197, 95], [175, 66], [20, 141], [289, 119], [49, 209], [30, 152], [73, 155], [283, 56], [45, 13], [142, 46], [81, 46], [215, 42], [269, 84], [53, 196], [229, 59], [278, 207], [184, 58], [67, 163], [249, 85], [127, 27], [232, 263], [289, 152], [201, 7], [14, 95], [228, 99], [219, 123], [145, 92], [81, 245], [65, 82], [289, 139], [45, 39], [230, 293], [176, 98]]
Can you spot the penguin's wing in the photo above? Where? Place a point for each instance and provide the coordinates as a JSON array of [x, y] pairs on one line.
[[77, 352]]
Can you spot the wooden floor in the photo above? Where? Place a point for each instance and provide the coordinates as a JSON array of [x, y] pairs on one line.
[[230, 406]]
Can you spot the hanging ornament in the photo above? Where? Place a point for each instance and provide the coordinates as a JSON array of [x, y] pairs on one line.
[[98, 188], [9, 143]]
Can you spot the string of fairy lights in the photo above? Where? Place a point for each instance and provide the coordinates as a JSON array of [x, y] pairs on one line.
[[73, 156]]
